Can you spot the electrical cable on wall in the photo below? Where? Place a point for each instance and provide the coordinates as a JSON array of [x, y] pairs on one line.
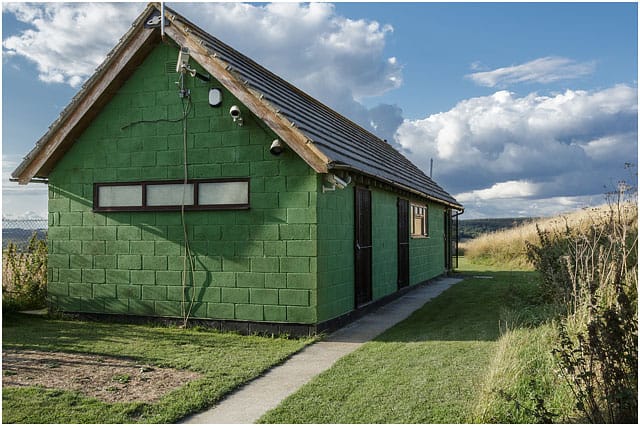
[[188, 264], [162, 120]]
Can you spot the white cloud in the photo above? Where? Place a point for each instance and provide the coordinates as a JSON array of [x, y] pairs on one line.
[[542, 70], [338, 60], [502, 146], [553, 149], [501, 190], [67, 41], [527, 207]]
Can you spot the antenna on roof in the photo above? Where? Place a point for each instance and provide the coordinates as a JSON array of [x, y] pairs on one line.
[[162, 19]]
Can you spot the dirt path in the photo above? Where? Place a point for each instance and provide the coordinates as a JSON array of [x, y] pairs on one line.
[[107, 378]]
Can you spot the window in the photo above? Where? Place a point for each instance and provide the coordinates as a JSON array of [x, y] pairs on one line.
[[419, 222], [170, 194], [120, 196], [196, 194]]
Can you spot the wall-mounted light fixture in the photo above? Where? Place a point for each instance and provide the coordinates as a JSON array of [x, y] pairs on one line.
[[236, 114], [335, 182], [277, 147], [215, 97]]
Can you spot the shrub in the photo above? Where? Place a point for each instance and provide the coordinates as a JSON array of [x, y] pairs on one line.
[[592, 270], [24, 276], [548, 257]]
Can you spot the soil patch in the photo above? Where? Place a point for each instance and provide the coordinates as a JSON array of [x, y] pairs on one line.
[[107, 378]]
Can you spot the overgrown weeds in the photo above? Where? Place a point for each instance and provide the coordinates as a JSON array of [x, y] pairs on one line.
[[592, 271], [572, 355], [24, 276]]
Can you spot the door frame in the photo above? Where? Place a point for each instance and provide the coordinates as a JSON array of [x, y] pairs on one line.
[[363, 248], [403, 209], [447, 240]]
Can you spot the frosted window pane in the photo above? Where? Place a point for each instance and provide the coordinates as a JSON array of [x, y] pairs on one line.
[[213, 193], [170, 194], [120, 196]]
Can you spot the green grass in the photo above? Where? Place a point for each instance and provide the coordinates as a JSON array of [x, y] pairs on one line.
[[524, 369], [225, 359], [439, 365]]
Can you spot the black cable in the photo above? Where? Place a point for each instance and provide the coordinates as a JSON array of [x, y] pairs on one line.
[[164, 120]]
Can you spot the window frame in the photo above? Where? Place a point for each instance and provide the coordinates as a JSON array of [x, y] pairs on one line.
[[424, 220], [189, 207]]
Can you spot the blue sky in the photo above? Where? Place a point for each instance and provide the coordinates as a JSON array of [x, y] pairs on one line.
[[527, 109], [439, 42]]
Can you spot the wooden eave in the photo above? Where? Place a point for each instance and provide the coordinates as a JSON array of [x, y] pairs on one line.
[[95, 94]]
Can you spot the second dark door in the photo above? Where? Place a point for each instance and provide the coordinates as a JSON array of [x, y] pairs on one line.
[[363, 246], [403, 243]]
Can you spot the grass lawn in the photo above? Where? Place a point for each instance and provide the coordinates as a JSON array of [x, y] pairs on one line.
[[226, 360], [433, 367]]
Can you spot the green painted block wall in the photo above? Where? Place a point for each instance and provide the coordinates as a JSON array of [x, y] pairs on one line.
[[336, 249], [335, 253], [255, 265], [426, 255], [287, 259], [384, 228]]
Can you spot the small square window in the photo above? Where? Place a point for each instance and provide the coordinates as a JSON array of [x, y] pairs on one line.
[[419, 222]]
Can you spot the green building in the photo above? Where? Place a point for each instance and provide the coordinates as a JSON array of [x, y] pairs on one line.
[[186, 181]]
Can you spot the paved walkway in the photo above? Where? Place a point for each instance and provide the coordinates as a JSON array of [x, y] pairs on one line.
[[247, 404]]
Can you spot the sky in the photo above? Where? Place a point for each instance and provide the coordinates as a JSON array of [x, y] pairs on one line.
[[527, 109]]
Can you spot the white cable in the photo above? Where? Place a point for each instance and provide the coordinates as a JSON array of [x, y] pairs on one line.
[[187, 250]]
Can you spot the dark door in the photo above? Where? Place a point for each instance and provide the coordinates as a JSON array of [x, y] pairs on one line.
[[447, 239], [363, 246], [403, 243]]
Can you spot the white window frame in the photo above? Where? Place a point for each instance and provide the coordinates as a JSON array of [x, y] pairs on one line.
[[419, 215]]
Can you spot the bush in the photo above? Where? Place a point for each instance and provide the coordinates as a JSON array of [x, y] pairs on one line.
[[592, 270], [24, 276]]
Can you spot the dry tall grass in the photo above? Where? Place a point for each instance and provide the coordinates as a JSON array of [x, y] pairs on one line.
[[508, 247]]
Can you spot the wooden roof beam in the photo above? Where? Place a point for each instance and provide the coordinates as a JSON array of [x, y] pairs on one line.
[[98, 93]]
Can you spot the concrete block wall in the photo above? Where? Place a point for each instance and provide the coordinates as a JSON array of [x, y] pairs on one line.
[[335, 253], [384, 227], [255, 265], [426, 255]]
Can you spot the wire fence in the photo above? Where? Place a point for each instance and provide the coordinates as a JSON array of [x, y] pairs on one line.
[[20, 231]]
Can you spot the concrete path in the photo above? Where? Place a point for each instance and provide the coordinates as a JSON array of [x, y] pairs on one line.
[[247, 404]]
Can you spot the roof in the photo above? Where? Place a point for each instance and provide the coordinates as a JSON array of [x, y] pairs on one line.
[[325, 139]]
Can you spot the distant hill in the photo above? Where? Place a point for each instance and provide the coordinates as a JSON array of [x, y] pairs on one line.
[[21, 236], [472, 228]]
